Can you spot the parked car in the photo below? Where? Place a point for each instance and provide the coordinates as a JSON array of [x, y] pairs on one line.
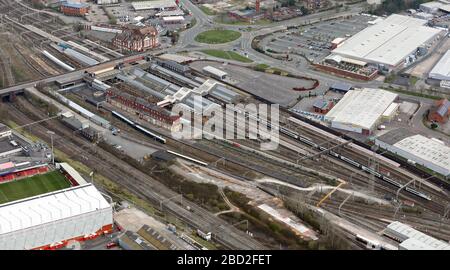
[[111, 245]]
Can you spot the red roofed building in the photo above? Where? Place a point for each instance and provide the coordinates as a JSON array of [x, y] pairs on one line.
[[137, 39], [440, 112], [74, 8]]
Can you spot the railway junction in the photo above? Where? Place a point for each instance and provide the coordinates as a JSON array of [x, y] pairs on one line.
[[109, 117]]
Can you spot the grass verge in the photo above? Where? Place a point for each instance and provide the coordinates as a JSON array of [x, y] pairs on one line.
[[229, 55], [217, 36]]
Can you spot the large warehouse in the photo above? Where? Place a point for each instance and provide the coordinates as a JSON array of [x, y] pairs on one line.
[[361, 110], [50, 220], [430, 153], [441, 71], [389, 42], [412, 239]]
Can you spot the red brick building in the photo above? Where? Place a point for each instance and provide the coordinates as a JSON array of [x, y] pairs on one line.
[[74, 9], [322, 106], [147, 111], [137, 39], [440, 112]]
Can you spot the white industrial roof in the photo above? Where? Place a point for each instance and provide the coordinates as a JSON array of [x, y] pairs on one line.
[[445, 8], [50, 207], [361, 107], [389, 41], [414, 244], [177, 12], [215, 71], [391, 109], [157, 4], [432, 5], [421, 240], [173, 18], [427, 149], [441, 71]]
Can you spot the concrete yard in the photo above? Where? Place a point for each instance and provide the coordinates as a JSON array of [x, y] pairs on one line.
[[277, 89], [133, 219]]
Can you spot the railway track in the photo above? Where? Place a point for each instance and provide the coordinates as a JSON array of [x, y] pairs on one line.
[[139, 183], [6, 67], [437, 196]]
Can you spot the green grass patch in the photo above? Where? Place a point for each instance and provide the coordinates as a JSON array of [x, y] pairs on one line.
[[229, 55], [32, 186], [392, 89], [217, 36], [413, 80], [207, 10], [261, 67], [224, 19]]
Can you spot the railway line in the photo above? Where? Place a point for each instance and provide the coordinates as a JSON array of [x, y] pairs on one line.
[[393, 173], [139, 183]]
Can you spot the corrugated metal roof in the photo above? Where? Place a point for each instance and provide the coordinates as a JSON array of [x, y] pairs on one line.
[[74, 4], [427, 150], [50, 207], [443, 109], [341, 86], [441, 71], [362, 107], [215, 71], [81, 57], [404, 232], [225, 94], [389, 42], [73, 173]]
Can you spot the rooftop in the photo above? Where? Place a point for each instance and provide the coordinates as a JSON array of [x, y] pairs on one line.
[[215, 71], [427, 149], [389, 41], [50, 207], [441, 71], [173, 18], [361, 107], [421, 240], [444, 108], [74, 4], [157, 4]]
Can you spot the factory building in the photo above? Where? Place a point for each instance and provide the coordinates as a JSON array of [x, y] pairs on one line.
[[417, 149], [74, 8], [157, 5], [136, 39], [412, 239], [391, 43], [50, 220], [440, 112], [361, 110], [441, 71]]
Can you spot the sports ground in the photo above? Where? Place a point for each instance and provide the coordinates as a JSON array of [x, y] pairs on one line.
[[32, 186]]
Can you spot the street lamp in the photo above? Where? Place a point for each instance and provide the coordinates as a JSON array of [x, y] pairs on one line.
[[51, 138]]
